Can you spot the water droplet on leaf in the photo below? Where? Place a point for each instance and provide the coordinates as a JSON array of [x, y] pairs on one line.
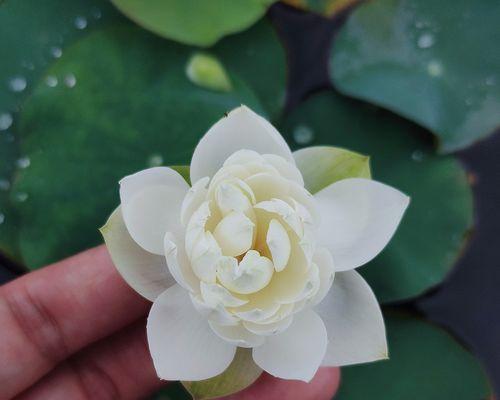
[[51, 81], [4, 184], [2, 218], [205, 70], [22, 197], [417, 155], [303, 134], [17, 83], [70, 80], [23, 162], [80, 22], [56, 52], [425, 41], [5, 121], [435, 68], [155, 160]]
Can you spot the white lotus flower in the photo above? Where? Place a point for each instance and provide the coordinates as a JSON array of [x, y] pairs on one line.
[[247, 257]]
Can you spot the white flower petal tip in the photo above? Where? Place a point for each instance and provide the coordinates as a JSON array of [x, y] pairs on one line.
[[143, 198], [240, 129], [358, 219], [354, 322], [182, 345], [146, 273], [297, 352]]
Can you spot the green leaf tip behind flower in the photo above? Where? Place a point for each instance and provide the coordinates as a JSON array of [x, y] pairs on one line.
[[241, 373], [324, 165], [183, 170], [207, 71]]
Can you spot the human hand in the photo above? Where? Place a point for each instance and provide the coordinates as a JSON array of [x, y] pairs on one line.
[[75, 330]]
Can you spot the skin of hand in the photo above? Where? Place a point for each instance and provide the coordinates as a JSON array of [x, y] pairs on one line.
[[75, 330]]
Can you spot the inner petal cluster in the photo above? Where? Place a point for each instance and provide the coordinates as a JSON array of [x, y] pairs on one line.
[[250, 240]]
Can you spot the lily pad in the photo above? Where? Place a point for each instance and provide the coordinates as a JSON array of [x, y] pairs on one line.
[[425, 363], [130, 105], [31, 37], [433, 62], [434, 230], [328, 8], [241, 373], [194, 22]]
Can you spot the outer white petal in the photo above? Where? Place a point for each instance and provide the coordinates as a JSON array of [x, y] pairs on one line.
[[323, 259], [151, 205], [358, 218], [297, 352], [354, 322], [240, 129], [237, 335], [146, 273], [178, 263], [181, 343]]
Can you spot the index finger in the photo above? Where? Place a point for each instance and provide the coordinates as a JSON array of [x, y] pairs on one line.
[[49, 314]]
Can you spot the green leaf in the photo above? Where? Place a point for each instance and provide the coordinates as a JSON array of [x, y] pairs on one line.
[[433, 62], [323, 165], [241, 373], [132, 107], [434, 230], [207, 71], [258, 57], [194, 22], [328, 8], [30, 37], [184, 171], [425, 363]]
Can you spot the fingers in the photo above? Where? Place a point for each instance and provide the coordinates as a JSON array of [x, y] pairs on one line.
[[118, 367], [323, 386], [49, 314]]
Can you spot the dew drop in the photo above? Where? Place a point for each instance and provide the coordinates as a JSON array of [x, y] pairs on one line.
[[80, 22], [28, 65], [22, 196], [4, 185], [2, 218], [51, 81], [96, 13], [303, 134], [56, 52], [490, 81], [155, 160], [425, 41], [5, 121], [70, 80], [23, 162], [434, 68], [417, 155], [17, 83]]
